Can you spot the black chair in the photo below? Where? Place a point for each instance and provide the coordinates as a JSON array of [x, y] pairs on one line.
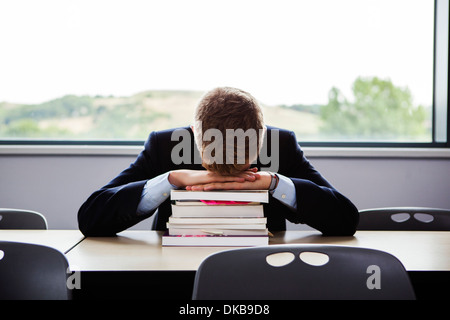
[[32, 272], [405, 218], [348, 273], [21, 219]]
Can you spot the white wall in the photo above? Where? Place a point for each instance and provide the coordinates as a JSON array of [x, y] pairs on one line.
[[56, 185]]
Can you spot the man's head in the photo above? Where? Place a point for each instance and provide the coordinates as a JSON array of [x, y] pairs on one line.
[[228, 108]]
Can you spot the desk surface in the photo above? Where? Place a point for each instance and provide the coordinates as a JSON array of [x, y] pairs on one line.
[[142, 250], [62, 240]]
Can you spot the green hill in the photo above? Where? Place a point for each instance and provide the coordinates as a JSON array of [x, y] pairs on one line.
[[125, 118]]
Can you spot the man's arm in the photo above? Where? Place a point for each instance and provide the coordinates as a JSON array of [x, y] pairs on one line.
[[157, 190], [113, 208], [319, 204], [284, 190]]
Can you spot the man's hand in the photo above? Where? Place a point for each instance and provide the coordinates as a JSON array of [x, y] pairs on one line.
[[184, 178], [262, 182]]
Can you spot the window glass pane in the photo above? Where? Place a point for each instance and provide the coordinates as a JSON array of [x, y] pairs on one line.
[[347, 70]]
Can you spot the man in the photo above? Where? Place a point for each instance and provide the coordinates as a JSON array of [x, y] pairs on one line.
[[298, 192]]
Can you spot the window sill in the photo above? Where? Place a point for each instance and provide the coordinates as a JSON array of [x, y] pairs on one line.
[[310, 152]]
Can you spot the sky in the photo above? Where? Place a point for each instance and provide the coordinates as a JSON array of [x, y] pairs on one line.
[[281, 51]]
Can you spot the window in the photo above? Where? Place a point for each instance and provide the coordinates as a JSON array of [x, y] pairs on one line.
[[347, 71]]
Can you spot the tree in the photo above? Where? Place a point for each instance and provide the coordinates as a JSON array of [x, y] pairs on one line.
[[380, 111]]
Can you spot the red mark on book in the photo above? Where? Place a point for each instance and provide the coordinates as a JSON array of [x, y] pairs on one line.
[[218, 202]]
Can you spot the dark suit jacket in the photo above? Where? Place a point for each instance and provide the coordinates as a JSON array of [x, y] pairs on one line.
[[112, 208]]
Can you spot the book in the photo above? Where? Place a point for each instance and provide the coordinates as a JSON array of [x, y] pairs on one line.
[[192, 211], [174, 231], [214, 220], [214, 240], [258, 226], [222, 195]]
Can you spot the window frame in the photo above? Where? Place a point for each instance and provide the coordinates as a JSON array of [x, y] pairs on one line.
[[440, 105]]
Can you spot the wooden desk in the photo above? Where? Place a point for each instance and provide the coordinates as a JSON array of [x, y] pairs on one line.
[[134, 265], [136, 251], [142, 250], [417, 250], [62, 240]]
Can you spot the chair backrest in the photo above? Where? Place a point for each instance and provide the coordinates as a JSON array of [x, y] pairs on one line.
[[32, 272], [348, 273], [21, 219], [405, 218]]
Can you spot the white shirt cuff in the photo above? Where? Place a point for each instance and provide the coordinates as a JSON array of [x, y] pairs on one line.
[[155, 192], [285, 192]]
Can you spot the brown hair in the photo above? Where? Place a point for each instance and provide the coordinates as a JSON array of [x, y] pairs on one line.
[[228, 108]]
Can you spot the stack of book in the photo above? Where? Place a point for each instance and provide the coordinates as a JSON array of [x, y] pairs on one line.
[[217, 218]]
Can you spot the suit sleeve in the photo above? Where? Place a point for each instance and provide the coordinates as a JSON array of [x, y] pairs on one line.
[[113, 208], [319, 204]]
